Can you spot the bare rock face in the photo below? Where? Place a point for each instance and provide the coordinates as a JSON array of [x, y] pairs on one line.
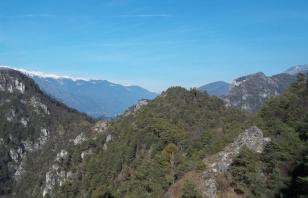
[[100, 126], [220, 162], [252, 138], [56, 175], [80, 139], [11, 84], [38, 106]]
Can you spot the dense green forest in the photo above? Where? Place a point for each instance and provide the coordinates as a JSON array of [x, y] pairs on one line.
[[154, 147], [281, 170]]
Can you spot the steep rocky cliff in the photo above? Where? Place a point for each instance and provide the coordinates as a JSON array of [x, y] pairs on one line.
[[34, 129]]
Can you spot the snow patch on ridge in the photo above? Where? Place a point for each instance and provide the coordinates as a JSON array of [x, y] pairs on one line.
[[43, 75], [62, 77]]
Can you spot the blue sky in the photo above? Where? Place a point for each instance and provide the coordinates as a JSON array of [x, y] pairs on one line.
[[155, 44]]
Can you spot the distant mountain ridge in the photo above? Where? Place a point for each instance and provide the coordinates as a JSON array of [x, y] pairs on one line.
[[218, 88], [297, 69], [250, 92], [97, 98]]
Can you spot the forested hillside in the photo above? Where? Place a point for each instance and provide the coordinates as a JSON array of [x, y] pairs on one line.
[[170, 138], [184, 143], [154, 147], [281, 170]]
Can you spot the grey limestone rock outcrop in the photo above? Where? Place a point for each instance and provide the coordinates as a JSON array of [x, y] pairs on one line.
[[11, 84], [220, 162]]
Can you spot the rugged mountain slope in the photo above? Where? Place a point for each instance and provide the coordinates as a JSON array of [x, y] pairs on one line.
[[280, 171], [170, 147], [187, 144], [254, 166], [181, 144], [153, 145], [209, 182], [249, 93], [33, 129], [97, 98], [219, 88]]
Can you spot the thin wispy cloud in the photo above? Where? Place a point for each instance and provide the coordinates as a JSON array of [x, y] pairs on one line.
[[128, 44], [37, 15], [28, 16], [50, 16], [144, 15]]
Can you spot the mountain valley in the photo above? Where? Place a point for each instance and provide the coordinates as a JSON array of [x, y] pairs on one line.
[[96, 98], [153, 99]]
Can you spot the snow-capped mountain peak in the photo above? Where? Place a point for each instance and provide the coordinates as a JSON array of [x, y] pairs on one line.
[[43, 74], [94, 97]]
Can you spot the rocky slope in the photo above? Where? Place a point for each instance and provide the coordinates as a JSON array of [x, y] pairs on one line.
[[153, 145], [217, 165], [34, 131], [254, 166], [249, 93]]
